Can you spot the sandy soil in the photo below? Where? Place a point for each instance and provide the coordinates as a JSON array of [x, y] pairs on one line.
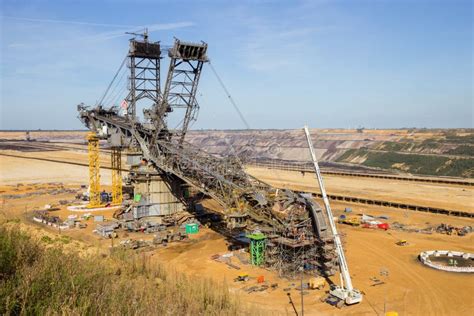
[[451, 197], [44, 135], [31, 167], [410, 288]]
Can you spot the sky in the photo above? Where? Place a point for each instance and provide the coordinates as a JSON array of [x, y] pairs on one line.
[[327, 64]]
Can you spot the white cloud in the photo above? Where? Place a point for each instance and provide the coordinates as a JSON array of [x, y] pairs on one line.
[[64, 22], [271, 44], [151, 28]]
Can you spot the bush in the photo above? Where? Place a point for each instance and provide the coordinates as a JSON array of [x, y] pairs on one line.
[[47, 240], [462, 150], [37, 280]]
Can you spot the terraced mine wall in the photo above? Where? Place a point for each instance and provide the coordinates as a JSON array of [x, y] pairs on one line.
[[410, 151]]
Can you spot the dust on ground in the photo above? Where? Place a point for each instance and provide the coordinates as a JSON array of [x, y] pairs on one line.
[[410, 288]]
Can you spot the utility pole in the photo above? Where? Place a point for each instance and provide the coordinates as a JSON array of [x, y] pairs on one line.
[[301, 292]]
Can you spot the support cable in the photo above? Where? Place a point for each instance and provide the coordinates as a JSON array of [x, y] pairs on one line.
[[121, 84], [238, 112], [229, 96], [115, 76], [120, 92]]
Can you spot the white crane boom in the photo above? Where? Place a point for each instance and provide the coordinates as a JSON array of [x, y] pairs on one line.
[[345, 292]]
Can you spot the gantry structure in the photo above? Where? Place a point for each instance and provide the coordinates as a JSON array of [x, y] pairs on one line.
[[296, 230]]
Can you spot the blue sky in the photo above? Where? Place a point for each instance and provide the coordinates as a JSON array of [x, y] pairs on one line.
[[377, 63]]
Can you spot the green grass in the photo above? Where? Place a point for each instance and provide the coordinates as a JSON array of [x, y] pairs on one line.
[[38, 280], [419, 164], [430, 143], [47, 239], [453, 137], [413, 163], [348, 154], [460, 168], [462, 150], [395, 146]]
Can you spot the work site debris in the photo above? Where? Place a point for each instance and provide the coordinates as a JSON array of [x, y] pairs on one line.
[[44, 218], [134, 244], [230, 264], [227, 259], [376, 281], [440, 229], [242, 256], [452, 230], [165, 237], [256, 288], [106, 229]]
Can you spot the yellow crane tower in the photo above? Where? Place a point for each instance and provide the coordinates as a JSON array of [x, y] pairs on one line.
[[94, 170], [116, 156]]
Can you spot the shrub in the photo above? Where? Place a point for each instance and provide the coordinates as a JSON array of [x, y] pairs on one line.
[[38, 280]]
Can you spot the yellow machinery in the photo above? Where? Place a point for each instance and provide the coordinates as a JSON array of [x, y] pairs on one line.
[[117, 195], [94, 170], [317, 283], [353, 221], [242, 277], [402, 242]]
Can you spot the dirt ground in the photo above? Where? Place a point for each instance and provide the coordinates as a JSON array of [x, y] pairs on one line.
[[410, 288], [453, 197], [50, 166]]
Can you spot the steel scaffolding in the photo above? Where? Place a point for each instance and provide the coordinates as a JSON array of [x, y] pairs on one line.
[[94, 170], [257, 248], [116, 157]]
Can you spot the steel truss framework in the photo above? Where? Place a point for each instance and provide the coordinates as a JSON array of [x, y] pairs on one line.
[[94, 170], [144, 65], [116, 162], [293, 223]]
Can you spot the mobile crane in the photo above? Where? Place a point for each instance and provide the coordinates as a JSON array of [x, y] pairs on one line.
[[344, 292]]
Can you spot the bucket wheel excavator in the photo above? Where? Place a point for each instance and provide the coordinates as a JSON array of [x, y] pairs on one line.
[[297, 231]]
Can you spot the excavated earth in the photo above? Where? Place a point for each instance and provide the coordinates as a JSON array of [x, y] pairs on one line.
[[391, 277]]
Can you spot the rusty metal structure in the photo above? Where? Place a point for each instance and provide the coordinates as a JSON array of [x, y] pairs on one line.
[[298, 236]]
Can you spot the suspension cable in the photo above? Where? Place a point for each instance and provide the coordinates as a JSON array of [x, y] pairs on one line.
[[229, 96], [110, 98], [115, 76]]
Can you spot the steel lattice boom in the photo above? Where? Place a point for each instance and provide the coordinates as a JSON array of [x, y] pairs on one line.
[[295, 225]]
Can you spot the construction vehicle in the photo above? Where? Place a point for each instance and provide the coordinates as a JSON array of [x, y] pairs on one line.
[[317, 283], [344, 292], [402, 242], [353, 221], [242, 277]]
